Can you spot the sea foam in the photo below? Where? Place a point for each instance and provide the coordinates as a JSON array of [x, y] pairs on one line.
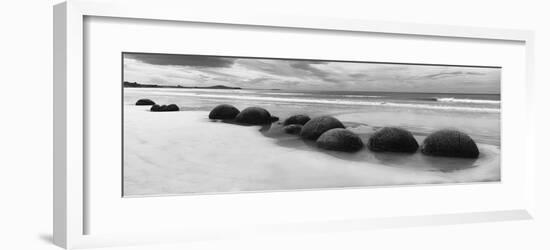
[[476, 101]]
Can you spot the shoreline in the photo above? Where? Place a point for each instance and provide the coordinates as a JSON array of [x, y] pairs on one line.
[[179, 153]]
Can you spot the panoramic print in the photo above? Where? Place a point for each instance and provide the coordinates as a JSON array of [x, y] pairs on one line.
[[196, 124]]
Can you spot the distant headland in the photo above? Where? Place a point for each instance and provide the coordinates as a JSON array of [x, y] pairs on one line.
[[138, 85]]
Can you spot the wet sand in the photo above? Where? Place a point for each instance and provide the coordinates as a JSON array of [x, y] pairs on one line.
[[185, 152]]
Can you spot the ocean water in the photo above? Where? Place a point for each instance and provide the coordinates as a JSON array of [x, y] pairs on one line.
[[439, 101], [422, 113]]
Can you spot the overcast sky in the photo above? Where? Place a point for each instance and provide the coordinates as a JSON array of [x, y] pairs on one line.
[[190, 70]]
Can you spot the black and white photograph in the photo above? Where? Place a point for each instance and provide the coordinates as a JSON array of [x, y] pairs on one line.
[[198, 124]]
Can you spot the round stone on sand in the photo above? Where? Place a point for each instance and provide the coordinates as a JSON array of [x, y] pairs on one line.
[[145, 102], [391, 139], [297, 119], [340, 139], [254, 116], [318, 125], [164, 108], [450, 143], [274, 118], [293, 129], [223, 112], [172, 107]]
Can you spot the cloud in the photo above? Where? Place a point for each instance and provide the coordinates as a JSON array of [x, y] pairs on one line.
[[474, 73], [359, 75], [307, 74], [308, 68], [269, 67], [259, 80], [450, 74], [182, 60]]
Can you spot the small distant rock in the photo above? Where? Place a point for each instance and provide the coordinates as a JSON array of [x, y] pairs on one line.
[[390, 139], [450, 143], [254, 116], [274, 118], [318, 125], [223, 112], [297, 119], [164, 108], [145, 102], [157, 108], [293, 129], [172, 107], [340, 139]]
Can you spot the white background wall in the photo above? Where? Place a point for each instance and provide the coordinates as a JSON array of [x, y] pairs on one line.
[[26, 124]]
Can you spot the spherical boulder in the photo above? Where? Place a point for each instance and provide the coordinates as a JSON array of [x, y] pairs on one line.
[[274, 118], [223, 112], [293, 129], [318, 125], [450, 143], [340, 139], [145, 102], [156, 108], [390, 139], [164, 108], [172, 107], [254, 116], [297, 119]]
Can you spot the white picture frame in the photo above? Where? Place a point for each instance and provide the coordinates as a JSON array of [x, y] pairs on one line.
[[71, 194]]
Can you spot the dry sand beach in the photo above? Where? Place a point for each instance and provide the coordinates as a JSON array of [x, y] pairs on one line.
[[167, 153]]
